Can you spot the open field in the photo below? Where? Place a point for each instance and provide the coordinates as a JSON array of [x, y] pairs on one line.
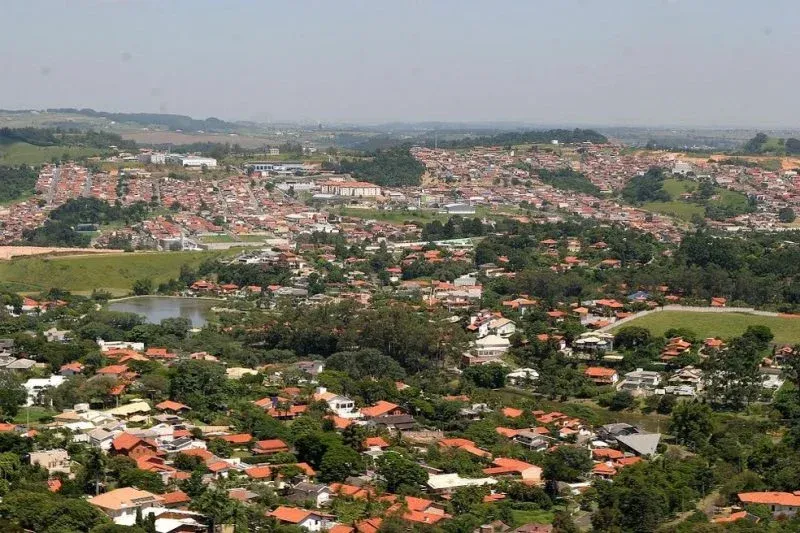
[[684, 209], [724, 325], [29, 154], [675, 208], [115, 273], [7, 252], [396, 217]]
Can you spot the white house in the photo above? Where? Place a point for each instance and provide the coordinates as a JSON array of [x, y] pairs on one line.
[[124, 502], [36, 386], [446, 483], [341, 406], [503, 327], [491, 345], [522, 376]]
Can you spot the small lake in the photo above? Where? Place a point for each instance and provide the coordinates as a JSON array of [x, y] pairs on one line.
[[157, 308]]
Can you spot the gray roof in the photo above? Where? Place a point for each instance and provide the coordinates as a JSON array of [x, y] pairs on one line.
[[20, 364], [641, 443]]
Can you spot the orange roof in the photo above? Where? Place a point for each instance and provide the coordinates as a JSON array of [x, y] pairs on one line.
[[599, 372], [379, 409], [607, 453], [341, 423], [603, 469], [178, 496], [238, 438], [203, 454], [258, 472], [219, 466], [54, 485], [378, 442], [511, 412], [293, 515], [370, 525], [125, 442], [172, 406], [271, 445], [507, 432], [771, 498], [113, 369]]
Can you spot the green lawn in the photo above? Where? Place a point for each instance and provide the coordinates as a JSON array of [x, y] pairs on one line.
[[29, 154], [685, 210], [115, 273], [538, 516], [723, 325], [675, 208], [33, 414]]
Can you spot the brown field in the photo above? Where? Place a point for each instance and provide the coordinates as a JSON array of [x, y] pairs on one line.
[[7, 252]]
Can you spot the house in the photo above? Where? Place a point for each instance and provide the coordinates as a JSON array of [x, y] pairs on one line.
[[447, 483], [168, 520], [530, 439], [270, 446], [35, 388], [375, 444], [403, 422], [502, 327], [504, 466], [641, 444], [237, 440], [71, 369], [303, 518], [175, 408], [341, 406], [522, 376], [491, 346], [382, 408], [781, 504], [304, 491], [601, 375], [56, 460], [641, 380], [125, 502], [133, 446]]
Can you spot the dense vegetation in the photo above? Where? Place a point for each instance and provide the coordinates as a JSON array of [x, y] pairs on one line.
[[647, 187], [16, 182], [172, 122], [63, 137], [569, 180], [389, 168], [55, 233], [761, 143], [95, 211], [529, 137]]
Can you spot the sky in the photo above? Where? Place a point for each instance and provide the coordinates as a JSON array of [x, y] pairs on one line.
[[702, 63]]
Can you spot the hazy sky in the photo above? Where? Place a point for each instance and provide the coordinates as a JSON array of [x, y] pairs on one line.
[[618, 62]]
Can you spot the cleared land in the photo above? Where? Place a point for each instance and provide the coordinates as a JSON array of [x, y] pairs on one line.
[[7, 252], [29, 154], [724, 325], [115, 273], [684, 209]]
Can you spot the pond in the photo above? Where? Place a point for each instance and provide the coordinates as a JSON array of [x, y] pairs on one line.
[[157, 308]]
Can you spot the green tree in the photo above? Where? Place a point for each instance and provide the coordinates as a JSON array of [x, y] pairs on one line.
[[12, 394], [338, 463], [566, 463], [400, 473], [142, 287], [691, 424]]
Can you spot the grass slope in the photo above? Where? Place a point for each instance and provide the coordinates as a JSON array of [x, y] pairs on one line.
[[115, 273], [28, 154], [684, 209], [724, 325]]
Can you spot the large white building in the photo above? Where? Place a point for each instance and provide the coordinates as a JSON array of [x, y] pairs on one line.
[[192, 161]]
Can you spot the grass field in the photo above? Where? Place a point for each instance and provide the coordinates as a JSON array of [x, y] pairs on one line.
[[685, 210], [724, 325], [29, 154], [675, 208], [538, 516], [115, 273]]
